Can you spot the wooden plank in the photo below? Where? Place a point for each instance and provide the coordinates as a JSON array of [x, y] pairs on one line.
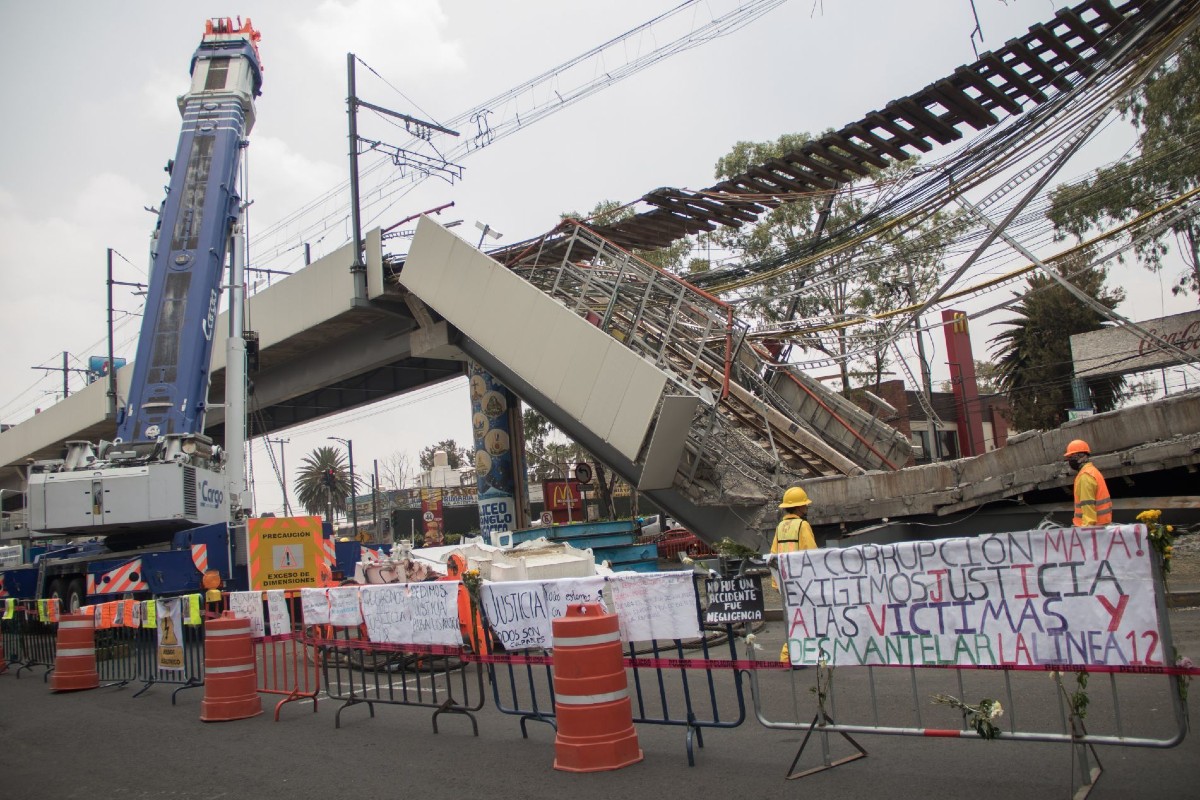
[[1004, 71], [846, 163], [970, 111], [862, 153], [970, 77], [859, 131], [1073, 61], [1024, 55], [922, 118], [805, 160], [803, 175], [899, 133]]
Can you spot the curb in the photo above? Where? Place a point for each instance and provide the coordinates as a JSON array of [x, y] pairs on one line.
[[1183, 599]]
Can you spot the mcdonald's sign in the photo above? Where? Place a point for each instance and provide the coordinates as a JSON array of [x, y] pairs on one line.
[[560, 495]]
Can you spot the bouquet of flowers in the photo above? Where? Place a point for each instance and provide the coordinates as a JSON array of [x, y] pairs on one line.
[[1162, 537], [978, 716]]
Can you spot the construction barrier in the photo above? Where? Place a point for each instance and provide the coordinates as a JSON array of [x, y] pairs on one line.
[[75, 655], [358, 671], [693, 682], [595, 730], [231, 682], [1032, 636], [286, 663]]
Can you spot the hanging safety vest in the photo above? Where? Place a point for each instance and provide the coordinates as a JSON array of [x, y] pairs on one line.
[[1091, 498]]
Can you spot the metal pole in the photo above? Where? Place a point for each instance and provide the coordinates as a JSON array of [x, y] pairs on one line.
[[66, 375], [357, 268], [375, 500], [353, 505], [112, 370]]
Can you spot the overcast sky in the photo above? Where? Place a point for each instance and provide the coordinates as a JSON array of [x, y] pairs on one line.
[[89, 97]]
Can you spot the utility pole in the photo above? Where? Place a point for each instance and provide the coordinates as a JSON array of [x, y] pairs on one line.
[[353, 489], [112, 370], [287, 507], [66, 372]]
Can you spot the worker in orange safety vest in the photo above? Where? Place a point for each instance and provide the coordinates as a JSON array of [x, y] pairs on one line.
[[1093, 506]]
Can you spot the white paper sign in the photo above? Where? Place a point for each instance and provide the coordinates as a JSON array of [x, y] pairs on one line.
[[277, 612], [314, 604], [343, 606], [655, 605], [521, 613], [1070, 597], [249, 605], [412, 613]]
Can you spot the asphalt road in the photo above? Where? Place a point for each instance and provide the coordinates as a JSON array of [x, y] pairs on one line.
[[105, 742]]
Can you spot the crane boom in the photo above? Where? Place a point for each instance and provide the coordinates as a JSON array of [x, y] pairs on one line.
[[170, 375]]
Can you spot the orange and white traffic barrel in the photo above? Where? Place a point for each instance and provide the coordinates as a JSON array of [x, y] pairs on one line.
[[591, 693], [75, 659], [230, 677]]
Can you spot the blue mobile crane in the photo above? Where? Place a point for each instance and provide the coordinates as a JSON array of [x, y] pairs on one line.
[[161, 504]]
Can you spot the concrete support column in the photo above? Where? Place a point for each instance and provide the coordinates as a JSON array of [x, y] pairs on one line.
[[499, 461]]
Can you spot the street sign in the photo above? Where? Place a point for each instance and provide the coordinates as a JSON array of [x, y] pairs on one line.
[[547, 518], [583, 472]]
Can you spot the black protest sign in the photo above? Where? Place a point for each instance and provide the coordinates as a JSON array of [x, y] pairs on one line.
[[733, 600]]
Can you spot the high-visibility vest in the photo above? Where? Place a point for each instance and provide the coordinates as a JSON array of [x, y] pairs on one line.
[[1091, 493], [793, 533]]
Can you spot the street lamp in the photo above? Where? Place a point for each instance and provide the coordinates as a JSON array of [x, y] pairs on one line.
[[353, 506]]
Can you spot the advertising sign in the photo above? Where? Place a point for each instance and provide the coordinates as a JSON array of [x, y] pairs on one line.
[[1118, 351], [491, 403]]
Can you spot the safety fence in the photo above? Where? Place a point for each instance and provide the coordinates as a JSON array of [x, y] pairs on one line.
[[28, 631], [693, 683], [1024, 666]]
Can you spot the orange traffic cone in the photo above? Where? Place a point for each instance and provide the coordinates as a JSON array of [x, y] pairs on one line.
[[75, 661], [591, 693], [230, 679]]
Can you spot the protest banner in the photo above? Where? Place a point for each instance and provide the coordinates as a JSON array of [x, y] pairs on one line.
[[1075, 597]]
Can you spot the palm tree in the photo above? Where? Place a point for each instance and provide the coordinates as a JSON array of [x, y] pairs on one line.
[[312, 485], [1033, 357]]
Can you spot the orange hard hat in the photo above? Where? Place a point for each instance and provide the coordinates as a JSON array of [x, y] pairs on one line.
[[1076, 447]]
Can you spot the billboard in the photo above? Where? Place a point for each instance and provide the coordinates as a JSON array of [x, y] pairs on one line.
[[1118, 351]]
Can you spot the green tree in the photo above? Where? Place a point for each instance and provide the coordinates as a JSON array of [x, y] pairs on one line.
[[1165, 110], [312, 488], [1033, 357], [456, 456], [986, 378], [847, 283]]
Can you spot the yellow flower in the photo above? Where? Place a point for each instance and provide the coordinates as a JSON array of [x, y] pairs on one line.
[[1151, 515], [1170, 529]]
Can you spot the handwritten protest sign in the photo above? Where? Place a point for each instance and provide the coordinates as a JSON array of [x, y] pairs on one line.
[[314, 604], [655, 605], [412, 613], [249, 605], [343, 606], [521, 612], [277, 612], [1070, 597], [733, 600]]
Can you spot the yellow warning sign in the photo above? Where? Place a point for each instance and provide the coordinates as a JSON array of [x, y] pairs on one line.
[[285, 552]]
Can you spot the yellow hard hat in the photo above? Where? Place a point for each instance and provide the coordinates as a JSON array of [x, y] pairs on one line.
[[1077, 446], [795, 496]]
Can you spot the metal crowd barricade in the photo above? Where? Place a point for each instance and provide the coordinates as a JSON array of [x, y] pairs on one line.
[[32, 637], [356, 671], [118, 653], [151, 673], [286, 663], [694, 684], [1041, 702]]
